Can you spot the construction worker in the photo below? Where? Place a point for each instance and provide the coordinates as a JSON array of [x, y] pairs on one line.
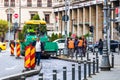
[[70, 48], [80, 46]]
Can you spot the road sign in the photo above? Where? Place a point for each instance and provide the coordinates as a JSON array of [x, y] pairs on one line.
[[16, 15], [65, 18]]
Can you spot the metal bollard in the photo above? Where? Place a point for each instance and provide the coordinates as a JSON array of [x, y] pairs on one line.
[[79, 71], [97, 65], [85, 70], [112, 61], [93, 66], [22, 77], [54, 75], [89, 67], [64, 73], [87, 55], [40, 76], [73, 71], [96, 54]]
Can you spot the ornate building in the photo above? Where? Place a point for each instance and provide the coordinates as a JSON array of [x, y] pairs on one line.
[[26, 9], [85, 13]]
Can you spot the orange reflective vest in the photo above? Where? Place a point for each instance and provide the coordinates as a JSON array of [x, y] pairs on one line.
[[80, 43], [70, 44]]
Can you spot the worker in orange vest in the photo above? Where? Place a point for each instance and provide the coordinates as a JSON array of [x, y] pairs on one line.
[[80, 46], [84, 46], [70, 48]]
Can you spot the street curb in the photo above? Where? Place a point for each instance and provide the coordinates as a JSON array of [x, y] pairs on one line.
[[23, 74], [71, 60]]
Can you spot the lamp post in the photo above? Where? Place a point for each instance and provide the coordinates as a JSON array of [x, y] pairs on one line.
[[105, 63]]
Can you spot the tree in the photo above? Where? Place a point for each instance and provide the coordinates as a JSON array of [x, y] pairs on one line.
[[36, 17], [3, 27]]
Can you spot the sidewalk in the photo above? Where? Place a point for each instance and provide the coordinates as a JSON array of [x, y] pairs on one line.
[[113, 74]]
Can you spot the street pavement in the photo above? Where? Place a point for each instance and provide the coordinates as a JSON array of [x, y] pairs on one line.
[[10, 66]]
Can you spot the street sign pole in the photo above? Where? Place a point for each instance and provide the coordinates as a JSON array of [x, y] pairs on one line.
[[67, 12]]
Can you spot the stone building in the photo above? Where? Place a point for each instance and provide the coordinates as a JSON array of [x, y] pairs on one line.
[[26, 9], [85, 13]]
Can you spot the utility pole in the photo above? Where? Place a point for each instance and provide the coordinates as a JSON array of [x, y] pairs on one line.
[[19, 13], [105, 65], [67, 12], [9, 23]]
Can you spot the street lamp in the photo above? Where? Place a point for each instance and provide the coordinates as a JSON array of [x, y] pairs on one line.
[[105, 65]]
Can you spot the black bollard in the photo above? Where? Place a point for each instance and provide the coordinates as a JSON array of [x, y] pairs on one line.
[[87, 55], [96, 54], [97, 65], [89, 67], [54, 75], [64, 73], [40, 76], [73, 71], [81, 56], [85, 70], [112, 61], [79, 71], [93, 66]]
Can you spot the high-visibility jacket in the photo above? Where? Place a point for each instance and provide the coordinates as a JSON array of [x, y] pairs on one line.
[[70, 44], [80, 43]]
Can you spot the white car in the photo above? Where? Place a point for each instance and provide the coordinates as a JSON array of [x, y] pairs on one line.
[[60, 42]]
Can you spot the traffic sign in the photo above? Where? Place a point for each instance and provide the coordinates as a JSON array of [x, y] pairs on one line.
[[65, 18], [16, 15]]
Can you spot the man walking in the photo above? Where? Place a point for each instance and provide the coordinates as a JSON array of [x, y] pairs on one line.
[[39, 48]]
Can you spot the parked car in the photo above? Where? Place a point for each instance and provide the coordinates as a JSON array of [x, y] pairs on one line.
[[60, 42], [114, 46], [2, 46]]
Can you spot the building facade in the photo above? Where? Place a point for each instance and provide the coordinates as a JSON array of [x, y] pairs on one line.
[[26, 9], [85, 13]]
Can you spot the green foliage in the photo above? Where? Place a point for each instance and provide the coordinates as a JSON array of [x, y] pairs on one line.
[[21, 36], [36, 17], [43, 28], [3, 26], [86, 35], [53, 37]]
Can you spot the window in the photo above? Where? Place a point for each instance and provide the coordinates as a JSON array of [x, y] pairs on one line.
[[29, 3], [6, 3], [39, 3], [12, 4], [49, 3], [9, 17], [32, 15], [47, 16]]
